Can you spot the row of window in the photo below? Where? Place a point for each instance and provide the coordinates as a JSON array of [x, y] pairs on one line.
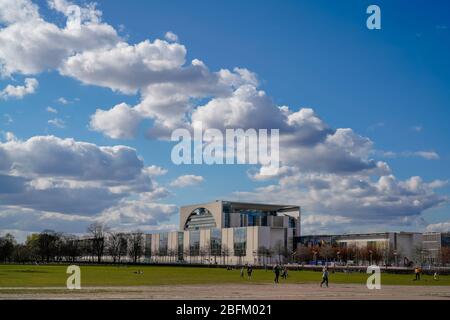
[[239, 240]]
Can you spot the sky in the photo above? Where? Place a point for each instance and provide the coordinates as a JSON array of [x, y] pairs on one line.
[[87, 110]]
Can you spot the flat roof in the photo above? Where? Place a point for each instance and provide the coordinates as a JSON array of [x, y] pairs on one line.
[[359, 234], [252, 205]]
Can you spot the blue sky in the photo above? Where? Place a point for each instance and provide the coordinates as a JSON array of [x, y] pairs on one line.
[[390, 86]]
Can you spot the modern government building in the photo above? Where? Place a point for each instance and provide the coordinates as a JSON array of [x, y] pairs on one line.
[[228, 232]]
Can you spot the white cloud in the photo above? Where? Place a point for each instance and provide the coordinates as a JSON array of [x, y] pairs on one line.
[[439, 227], [63, 100], [59, 123], [427, 155], [148, 62], [31, 45], [170, 36], [155, 171], [330, 171], [17, 11], [186, 181], [63, 184], [51, 110], [18, 92], [120, 122], [361, 198]]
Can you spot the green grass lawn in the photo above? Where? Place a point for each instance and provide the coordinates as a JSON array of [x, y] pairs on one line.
[[55, 276]]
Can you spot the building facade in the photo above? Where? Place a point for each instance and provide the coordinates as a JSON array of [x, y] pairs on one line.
[[226, 232], [432, 246], [399, 248]]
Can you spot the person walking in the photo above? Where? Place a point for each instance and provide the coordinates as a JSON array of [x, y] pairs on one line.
[[417, 273], [324, 277], [242, 271], [249, 271], [285, 273], [276, 270]]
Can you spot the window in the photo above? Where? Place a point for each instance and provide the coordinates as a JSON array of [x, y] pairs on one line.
[[200, 218], [194, 242], [163, 237], [180, 245], [148, 246], [240, 241], [216, 242]]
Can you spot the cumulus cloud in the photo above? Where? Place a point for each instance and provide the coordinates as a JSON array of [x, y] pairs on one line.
[[64, 175], [18, 92], [361, 198], [439, 227], [331, 171], [31, 45], [120, 122], [186, 181], [58, 183], [147, 61]]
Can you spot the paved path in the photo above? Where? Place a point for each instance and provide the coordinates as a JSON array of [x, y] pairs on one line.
[[233, 291]]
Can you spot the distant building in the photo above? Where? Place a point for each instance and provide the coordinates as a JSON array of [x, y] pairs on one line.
[[432, 245], [227, 232], [397, 247]]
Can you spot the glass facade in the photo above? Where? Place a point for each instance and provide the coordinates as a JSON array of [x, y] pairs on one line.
[[180, 245], [216, 242], [248, 217], [200, 218], [240, 241], [194, 242], [163, 239], [148, 246]]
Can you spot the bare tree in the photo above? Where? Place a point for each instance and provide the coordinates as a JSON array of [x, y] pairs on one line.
[[279, 250], [263, 252], [136, 247], [225, 254], [113, 245], [187, 253], [123, 245], [326, 252], [303, 253], [202, 253], [97, 232]]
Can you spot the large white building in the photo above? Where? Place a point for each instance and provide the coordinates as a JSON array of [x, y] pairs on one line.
[[396, 247], [226, 232]]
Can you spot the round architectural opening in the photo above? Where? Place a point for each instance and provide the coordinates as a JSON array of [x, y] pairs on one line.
[[200, 218]]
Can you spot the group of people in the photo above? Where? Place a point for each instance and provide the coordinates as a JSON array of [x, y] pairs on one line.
[[277, 269], [249, 271]]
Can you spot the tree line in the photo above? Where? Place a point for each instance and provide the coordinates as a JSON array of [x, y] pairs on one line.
[[99, 244]]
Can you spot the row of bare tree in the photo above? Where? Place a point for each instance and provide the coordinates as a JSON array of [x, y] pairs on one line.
[[98, 244]]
